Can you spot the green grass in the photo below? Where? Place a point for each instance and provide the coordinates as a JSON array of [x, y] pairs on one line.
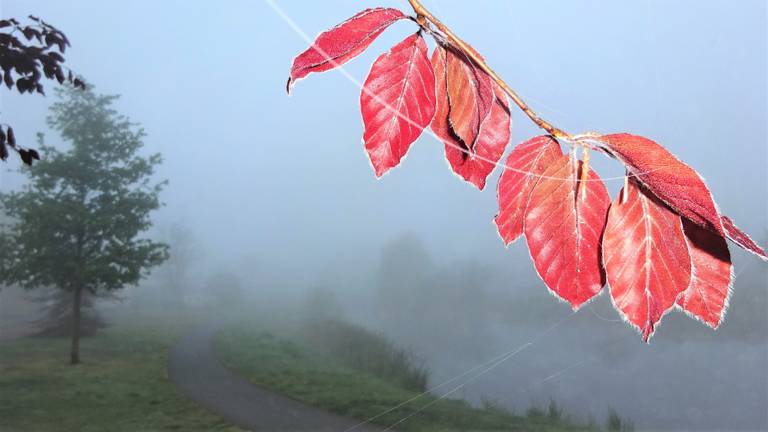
[[317, 378], [121, 385], [366, 351]]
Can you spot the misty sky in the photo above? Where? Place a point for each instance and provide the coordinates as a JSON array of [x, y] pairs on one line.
[[287, 178]]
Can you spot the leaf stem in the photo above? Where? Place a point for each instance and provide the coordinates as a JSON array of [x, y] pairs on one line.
[[422, 13], [584, 171]]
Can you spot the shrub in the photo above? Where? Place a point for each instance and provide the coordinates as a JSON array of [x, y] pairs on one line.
[[367, 351]]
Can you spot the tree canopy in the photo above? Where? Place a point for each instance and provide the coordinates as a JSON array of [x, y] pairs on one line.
[[79, 219]]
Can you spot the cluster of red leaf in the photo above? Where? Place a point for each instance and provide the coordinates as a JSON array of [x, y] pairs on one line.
[[659, 244]]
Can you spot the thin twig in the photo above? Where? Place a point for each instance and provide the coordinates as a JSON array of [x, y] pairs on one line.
[[423, 15]]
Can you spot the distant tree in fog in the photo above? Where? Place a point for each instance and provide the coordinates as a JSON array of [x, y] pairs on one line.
[[182, 254], [226, 288], [432, 306], [404, 278], [322, 303], [80, 219]]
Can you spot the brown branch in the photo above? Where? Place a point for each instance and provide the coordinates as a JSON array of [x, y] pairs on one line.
[[423, 14]]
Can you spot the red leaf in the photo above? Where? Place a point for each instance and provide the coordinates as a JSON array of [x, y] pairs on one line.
[[742, 239], [645, 256], [706, 298], [492, 139], [342, 43], [674, 182], [473, 163], [563, 225], [440, 123], [397, 102], [522, 171], [470, 96]]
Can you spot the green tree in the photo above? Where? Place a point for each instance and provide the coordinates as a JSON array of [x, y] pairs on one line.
[[78, 223]]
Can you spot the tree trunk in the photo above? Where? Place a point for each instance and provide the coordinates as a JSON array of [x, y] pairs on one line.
[[75, 353]]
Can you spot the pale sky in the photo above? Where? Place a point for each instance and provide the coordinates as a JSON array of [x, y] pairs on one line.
[[251, 166]]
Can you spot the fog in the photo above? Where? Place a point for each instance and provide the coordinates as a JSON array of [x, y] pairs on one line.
[[273, 196]]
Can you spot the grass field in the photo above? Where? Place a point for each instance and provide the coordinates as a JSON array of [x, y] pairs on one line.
[[121, 385], [315, 377]]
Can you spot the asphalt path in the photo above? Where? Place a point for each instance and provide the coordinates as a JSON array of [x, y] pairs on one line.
[[200, 375]]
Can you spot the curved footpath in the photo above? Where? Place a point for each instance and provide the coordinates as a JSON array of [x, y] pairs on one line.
[[198, 373]]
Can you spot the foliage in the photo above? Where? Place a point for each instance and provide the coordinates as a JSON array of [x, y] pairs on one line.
[[416, 299], [79, 219], [661, 244], [56, 306], [24, 61], [406, 271], [367, 352], [125, 387]]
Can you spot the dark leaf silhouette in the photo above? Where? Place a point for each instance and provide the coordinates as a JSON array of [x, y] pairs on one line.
[[26, 156], [11, 137], [26, 61]]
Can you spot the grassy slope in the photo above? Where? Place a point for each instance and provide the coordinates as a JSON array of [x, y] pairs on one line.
[[291, 369], [122, 384]]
